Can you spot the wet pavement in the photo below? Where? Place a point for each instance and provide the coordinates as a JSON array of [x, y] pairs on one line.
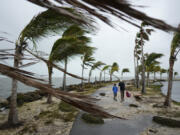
[[132, 126]]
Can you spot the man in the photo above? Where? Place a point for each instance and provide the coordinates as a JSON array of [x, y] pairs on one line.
[[122, 89], [115, 90]]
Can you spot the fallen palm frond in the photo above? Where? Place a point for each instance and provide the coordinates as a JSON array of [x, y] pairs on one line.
[[81, 102], [100, 8], [53, 65]]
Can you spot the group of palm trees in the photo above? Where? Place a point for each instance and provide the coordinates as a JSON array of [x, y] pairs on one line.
[[57, 19], [147, 63]]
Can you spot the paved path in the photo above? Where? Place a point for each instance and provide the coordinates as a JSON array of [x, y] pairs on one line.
[[112, 126]]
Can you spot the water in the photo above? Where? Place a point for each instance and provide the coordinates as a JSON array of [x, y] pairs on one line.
[[175, 90], [5, 85]]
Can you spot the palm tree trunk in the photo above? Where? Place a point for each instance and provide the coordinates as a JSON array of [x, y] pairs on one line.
[[64, 78], [13, 114], [89, 76], [160, 76], [49, 99], [143, 90], [110, 77], [100, 76], [137, 75], [154, 76], [104, 76], [147, 82], [82, 75], [170, 81]]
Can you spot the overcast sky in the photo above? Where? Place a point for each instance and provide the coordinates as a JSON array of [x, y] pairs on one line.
[[113, 45]]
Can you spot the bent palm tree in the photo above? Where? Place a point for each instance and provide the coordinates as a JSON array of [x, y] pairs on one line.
[[87, 60], [175, 49], [150, 62], [162, 71], [175, 74], [46, 23], [96, 65], [106, 67], [72, 43], [141, 37], [124, 70], [114, 68]]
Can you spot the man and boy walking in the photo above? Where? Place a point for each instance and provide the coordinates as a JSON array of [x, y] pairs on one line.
[[122, 89]]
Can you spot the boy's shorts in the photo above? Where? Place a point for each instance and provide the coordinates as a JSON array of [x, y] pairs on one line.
[[115, 94]]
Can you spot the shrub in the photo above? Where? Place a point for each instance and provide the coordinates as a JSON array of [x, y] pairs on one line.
[[89, 118]]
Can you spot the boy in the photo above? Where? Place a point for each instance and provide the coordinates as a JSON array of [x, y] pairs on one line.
[[115, 90]]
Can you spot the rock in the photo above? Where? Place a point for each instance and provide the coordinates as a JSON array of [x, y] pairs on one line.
[[166, 121], [153, 130], [102, 94], [133, 105]]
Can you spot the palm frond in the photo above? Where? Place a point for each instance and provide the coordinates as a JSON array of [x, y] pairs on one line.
[[100, 8]]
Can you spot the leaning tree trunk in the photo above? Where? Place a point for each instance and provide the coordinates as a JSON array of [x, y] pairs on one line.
[[170, 81], [104, 76], [135, 69], [100, 76], [89, 76], [143, 90], [49, 99], [13, 114], [64, 77], [82, 75], [137, 75], [147, 81], [110, 77]]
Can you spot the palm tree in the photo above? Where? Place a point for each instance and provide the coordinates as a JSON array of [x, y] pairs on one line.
[[150, 62], [72, 43], [124, 70], [156, 69], [87, 60], [137, 52], [96, 65], [106, 67], [113, 68], [141, 37], [175, 74], [46, 23], [162, 71], [175, 49]]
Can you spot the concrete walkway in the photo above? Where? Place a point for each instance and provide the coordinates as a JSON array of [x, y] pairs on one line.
[[133, 126]]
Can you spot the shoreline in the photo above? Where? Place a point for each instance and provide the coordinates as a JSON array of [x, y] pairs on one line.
[[41, 118]]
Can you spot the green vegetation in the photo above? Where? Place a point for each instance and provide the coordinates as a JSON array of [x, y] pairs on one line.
[[89, 118], [166, 121], [65, 107]]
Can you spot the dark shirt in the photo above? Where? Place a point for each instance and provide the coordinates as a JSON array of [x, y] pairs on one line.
[[122, 86]]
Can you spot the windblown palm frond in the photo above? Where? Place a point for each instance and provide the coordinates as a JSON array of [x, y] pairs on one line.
[[125, 70], [100, 8], [47, 22], [114, 68]]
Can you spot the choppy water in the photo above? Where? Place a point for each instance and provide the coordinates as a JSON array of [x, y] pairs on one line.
[[175, 90]]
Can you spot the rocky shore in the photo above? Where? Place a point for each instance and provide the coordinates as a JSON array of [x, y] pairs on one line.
[[40, 118]]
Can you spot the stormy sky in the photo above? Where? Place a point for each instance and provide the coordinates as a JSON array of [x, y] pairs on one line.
[[114, 45]]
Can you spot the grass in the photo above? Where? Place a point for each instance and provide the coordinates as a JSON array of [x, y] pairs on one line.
[[65, 107], [89, 118]]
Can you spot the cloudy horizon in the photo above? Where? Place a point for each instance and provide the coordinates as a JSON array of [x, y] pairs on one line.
[[113, 45]]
